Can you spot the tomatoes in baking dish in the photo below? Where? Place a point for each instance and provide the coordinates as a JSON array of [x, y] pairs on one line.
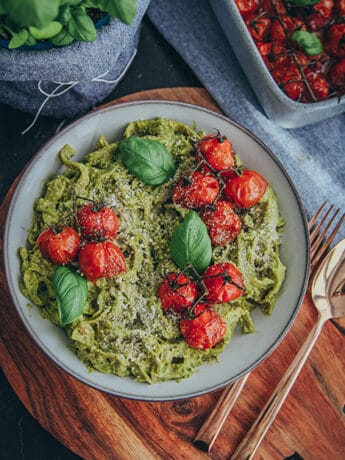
[[307, 68]]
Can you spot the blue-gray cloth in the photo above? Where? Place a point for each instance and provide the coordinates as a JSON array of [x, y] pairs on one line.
[[106, 58], [314, 156]]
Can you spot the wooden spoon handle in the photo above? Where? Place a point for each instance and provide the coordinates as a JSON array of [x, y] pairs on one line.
[[252, 440], [211, 427]]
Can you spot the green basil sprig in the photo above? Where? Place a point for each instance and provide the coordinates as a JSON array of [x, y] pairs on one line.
[[147, 159], [71, 294], [191, 244], [304, 2], [23, 22], [309, 42]]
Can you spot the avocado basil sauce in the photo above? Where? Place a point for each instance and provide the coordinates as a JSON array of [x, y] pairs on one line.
[[123, 329]]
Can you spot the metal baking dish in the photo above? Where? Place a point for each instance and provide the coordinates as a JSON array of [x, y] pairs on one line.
[[277, 106]]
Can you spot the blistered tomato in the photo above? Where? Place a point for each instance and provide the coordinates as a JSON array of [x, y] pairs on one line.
[[177, 292], [101, 260], [224, 282], [59, 246], [205, 329]]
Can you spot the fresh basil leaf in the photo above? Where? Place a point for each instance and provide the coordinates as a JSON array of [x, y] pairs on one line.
[[36, 13], [62, 39], [80, 26], [304, 2], [71, 294], [147, 159], [191, 244], [309, 42], [125, 10], [46, 32], [18, 39]]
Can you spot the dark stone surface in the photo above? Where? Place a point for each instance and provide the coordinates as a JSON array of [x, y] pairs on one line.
[[156, 65]]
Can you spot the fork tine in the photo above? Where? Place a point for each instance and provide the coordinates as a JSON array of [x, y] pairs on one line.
[[319, 237], [325, 246], [315, 216], [315, 231]]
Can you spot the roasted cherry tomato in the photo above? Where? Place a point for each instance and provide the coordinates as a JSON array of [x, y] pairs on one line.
[[318, 84], [97, 221], [60, 246], [205, 329], [217, 151], [281, 29], [258, 26], [339, 7], [274, 7], [247, 189], [289, 80], [274, 54], [334, 40], [196, 191], [222, 223], [224, 282], [320, 15], [336, 74], [177, 292], [101, 260], [246, 7], [313, 63]]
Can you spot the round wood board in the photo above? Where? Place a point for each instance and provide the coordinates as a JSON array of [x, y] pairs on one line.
[[99, 426]]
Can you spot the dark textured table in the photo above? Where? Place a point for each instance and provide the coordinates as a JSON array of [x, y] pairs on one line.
[[156, 65]]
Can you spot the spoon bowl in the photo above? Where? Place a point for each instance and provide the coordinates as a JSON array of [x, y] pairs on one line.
[[328, 285]]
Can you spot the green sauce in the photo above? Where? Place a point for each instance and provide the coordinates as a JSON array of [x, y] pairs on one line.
[[123, 329]]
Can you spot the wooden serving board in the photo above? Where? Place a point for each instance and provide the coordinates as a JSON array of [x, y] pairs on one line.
[[98, 426]]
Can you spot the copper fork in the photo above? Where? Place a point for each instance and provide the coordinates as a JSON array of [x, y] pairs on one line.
[[318, 227]]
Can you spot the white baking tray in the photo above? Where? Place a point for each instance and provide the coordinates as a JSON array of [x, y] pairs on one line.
[[277, 106]]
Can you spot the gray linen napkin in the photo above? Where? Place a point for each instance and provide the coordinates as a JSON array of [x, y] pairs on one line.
[[313, 156]]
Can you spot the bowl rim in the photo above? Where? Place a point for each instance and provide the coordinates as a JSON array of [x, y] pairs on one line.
[[13, 288]]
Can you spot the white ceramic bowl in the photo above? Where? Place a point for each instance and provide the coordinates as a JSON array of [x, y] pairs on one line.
[[245, 351]]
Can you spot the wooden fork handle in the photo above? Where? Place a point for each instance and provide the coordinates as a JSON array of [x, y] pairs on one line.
[[252, 440], [211, 427]]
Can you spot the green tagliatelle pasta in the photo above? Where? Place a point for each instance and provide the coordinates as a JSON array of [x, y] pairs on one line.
[[123, 329]]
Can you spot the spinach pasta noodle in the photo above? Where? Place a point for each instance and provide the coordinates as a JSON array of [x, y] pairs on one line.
[[123, 329]]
